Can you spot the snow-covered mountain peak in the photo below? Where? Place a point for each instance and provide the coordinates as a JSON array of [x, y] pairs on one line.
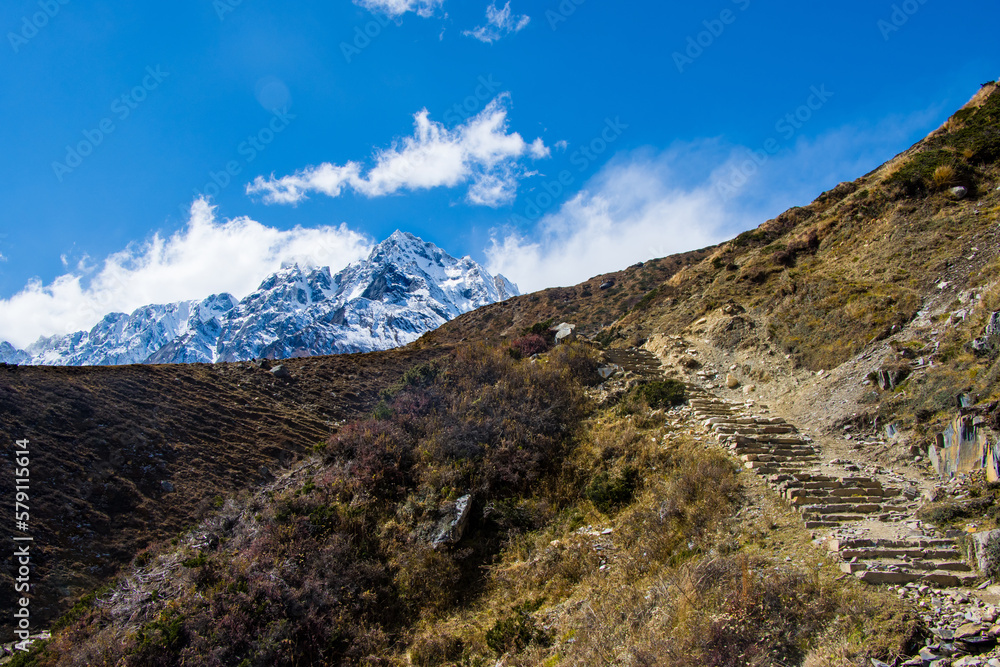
[[404, 288]]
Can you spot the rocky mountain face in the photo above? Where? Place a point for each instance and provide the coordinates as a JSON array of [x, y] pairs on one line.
[[405, 288]]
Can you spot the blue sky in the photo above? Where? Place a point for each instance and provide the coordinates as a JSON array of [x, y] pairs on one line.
[[550, 139]]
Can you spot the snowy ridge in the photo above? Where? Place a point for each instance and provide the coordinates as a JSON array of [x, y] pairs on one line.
[[405, 288]]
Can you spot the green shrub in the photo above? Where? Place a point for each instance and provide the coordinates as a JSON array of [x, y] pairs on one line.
[[662, 393], [609, 493], [516, 631]]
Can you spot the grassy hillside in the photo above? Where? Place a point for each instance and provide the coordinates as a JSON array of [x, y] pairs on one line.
[[602, 531], [123, 456], [858, 263], [597, 535]]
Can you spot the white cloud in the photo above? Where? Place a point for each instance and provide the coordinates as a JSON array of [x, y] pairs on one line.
[[481, 152], [644, 205], [627, 213], [396, 8], [207, 256], [499, 24]]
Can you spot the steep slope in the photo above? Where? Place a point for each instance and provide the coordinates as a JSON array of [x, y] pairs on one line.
[[594, 305], [405, 288], [122, 456], [631, 495]]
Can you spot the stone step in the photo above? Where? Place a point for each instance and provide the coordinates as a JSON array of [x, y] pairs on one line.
[[836, 517], [865, 501], [917, 543], [921, 565], [842, 493], [936, 578], [839, 508], [899, 554], [795, 453], [814, 524]]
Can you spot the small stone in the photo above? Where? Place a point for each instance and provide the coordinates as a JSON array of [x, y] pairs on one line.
[[281, 373], [167, 486], [731, 381], [928, 655], [968, 630], [968, 661], [958, 192]]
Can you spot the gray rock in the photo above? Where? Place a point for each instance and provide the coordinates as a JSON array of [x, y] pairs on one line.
[[993, 326], [988, 342], [979, 543], [968, 661], [565, 333], [958, 192], [607, 371], [167, 486], [281, 373], [452, 527]]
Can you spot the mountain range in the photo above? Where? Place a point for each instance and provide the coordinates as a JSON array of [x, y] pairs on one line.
[[405, 288]]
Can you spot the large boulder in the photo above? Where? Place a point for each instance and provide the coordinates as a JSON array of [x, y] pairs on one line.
[[565, 333], [456, 518], [984, 549], [987, 344]]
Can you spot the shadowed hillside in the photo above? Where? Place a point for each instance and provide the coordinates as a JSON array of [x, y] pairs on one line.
[[122, 456], [496, 500]]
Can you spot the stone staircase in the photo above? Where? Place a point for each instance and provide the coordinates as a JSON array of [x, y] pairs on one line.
[[635, 360], [864, 523]]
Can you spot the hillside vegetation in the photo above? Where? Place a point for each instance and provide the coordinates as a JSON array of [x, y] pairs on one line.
[[483, 497], [571, 556]]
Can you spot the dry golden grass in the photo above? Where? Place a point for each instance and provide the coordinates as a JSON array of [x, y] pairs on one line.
[[891, 167], [944, 175], [691, 573]]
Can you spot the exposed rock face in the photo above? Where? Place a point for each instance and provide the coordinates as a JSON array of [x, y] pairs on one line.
[[565, 333], [890, 377], [982, 552], [281, 373], [404, 289], [963, 447], [735, 333], [10, 355], [452, 526], [187, 329], [987, 344]]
